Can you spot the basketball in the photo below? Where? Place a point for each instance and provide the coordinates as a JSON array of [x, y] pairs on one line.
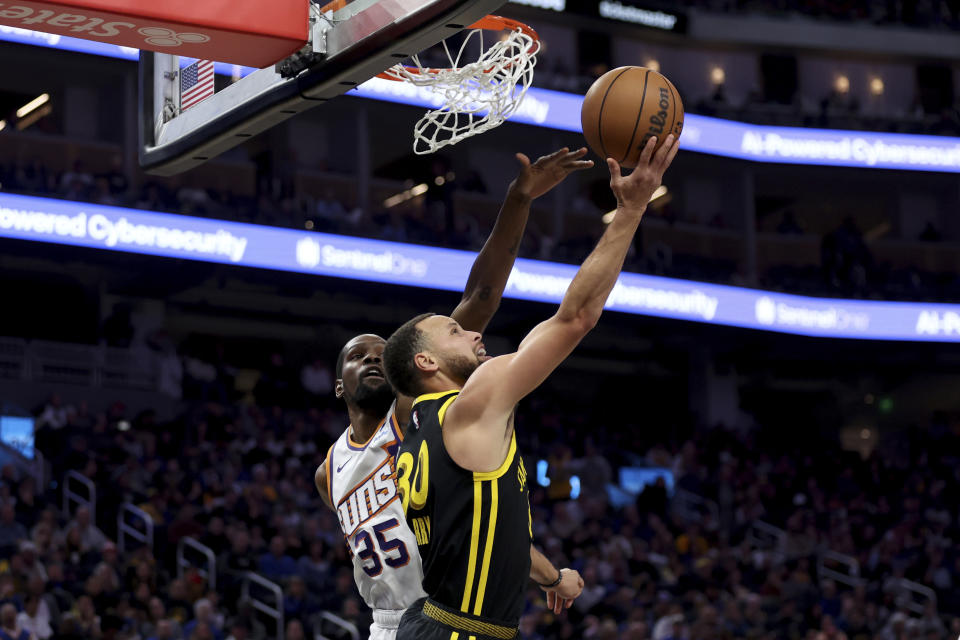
[[624, 108]]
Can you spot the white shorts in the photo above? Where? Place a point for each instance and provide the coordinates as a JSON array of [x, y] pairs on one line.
[[385, 623]]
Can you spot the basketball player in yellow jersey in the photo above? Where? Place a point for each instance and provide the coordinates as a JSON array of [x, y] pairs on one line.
[[464, 486], [356, 479]]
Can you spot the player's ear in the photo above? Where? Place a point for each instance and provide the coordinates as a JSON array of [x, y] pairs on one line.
[[338, 389], [425, 362]]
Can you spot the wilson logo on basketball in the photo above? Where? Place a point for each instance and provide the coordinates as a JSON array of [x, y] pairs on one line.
[[659, 119], [90, 27]]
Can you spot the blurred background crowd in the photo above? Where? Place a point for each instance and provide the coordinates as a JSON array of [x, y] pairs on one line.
[[237, 477], [708, 482]]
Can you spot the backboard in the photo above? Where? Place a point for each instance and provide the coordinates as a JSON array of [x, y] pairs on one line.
[[346, 43]]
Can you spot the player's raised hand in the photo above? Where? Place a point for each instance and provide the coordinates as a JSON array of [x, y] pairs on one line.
[[634, 191], [547, 172]]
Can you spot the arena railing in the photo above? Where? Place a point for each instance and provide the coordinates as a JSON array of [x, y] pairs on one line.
[[917, 595], [839, 567], [13, 359], [76, 364], [325, 619], [142, 534], [62, 363], [71, 479], [274, 611], [692, 507], [766, 537], [210, 572]]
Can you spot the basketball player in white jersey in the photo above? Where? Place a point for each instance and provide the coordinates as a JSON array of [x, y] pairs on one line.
[[357, 479]]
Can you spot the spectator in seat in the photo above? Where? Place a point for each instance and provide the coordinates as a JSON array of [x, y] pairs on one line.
[[31, 560], [247, 618], [11, 531], [30, 619], [276, 565], [239, 631], [10, 628], [297, 603], [165, 631], [204, 622], [202, 631], [295, 631], [88, 622], [316, 380], [91, 538], [54, 415], [314, 567], [29, 505], [157, 618]]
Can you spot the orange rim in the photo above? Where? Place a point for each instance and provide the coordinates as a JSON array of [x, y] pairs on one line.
[[336, 5], [489, 23]]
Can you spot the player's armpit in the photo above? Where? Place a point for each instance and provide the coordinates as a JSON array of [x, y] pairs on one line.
[[497, 385], [320, 479], [402, 412]]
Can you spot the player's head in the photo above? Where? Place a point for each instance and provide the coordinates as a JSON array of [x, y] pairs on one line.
[[431, 347], [361, 380]]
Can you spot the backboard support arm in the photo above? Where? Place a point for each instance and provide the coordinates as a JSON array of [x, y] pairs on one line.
[[354, 51]]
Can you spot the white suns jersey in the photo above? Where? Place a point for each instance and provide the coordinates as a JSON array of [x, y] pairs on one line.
[[362, 484]]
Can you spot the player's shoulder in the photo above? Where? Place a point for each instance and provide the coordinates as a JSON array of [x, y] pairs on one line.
[[481, 387]]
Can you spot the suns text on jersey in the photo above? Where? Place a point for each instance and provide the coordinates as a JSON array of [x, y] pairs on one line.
[[367, 499]]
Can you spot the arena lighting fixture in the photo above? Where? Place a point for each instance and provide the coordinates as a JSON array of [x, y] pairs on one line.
[[403, 196], [33, 105], [653, 64], [3, 125], [841, 84], [876, 86], [542, 478], [33, 116], [718, 76]]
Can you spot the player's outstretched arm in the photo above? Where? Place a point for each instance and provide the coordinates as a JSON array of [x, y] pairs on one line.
[[491, 270], [492, 391]]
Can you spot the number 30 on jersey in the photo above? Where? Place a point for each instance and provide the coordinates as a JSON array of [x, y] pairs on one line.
[[413, 480]]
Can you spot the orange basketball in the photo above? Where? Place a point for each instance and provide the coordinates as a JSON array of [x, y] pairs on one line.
[[624, 108]]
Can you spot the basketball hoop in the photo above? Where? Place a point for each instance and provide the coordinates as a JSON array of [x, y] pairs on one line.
[[476, 96]]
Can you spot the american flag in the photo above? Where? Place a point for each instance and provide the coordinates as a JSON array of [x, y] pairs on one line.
[[196, 83]]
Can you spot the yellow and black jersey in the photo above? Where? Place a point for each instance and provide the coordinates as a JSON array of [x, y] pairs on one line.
[[472, 529]]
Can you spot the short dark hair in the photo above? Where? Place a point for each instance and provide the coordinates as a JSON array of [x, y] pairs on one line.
[[402, 346]]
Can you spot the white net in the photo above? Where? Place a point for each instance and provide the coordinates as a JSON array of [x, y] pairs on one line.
[[477, 96]]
